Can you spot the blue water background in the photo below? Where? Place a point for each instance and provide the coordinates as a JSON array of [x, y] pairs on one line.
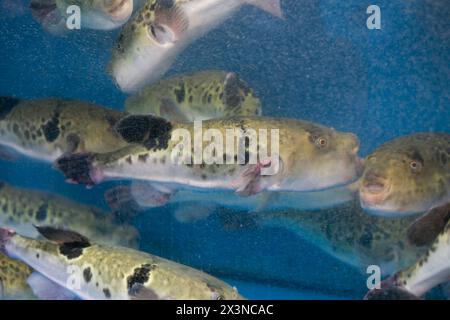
[[321, 64]]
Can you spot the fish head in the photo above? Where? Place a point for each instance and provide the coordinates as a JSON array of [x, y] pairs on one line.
[[326, 158], [401, 179], [146, 46], [112, 12]]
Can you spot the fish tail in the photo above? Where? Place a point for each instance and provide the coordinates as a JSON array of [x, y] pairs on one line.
[[79, 168], [271, 6]]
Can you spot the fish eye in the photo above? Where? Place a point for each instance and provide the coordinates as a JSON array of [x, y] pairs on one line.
[[415, 166], [157, 32], [321, 142]]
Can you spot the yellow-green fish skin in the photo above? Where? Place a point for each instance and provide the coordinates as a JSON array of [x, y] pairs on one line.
[[22, 208], [196, 96], [408, 175], [108, 272], [352, 236], [47, 128], [13, 279], [307, 164]]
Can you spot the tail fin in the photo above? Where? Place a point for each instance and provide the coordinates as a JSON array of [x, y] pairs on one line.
[[121, 201], [6, 105], [78, 168], [271, 6]]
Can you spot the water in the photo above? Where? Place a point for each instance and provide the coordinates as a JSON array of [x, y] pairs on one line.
[[320, 64]]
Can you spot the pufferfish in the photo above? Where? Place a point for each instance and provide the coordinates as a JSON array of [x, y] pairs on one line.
[[86, 270], [196, 96], [150, 42]]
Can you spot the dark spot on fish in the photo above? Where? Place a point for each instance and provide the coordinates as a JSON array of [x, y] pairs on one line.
[[6, 106], [72, 250], [51, 128], [27, 135], [232, 98], [415, 155], [204, 176], [153, 132], [41, 214], [16, 128], [180, 93], [87, 274], [107, 293], [209, 99], [129, 160], [143, 157], [140, 275], [366, 239], [191, 99], [37, 255]]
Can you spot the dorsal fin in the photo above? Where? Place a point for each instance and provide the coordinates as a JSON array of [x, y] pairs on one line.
[[426, 228], [62, 236]]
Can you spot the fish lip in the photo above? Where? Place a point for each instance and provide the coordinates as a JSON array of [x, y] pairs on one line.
[[116, 11], [374, 190]]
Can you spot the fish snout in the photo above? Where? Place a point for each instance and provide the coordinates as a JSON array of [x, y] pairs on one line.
[[374, 188], [374, 183]]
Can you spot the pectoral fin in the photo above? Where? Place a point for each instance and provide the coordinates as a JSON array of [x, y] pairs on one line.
[[62, 236], [170, 22], [250, 180], [425, 229]]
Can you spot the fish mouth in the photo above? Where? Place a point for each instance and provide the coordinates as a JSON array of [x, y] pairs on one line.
[[121, 11], [374, 190], [5, 235]]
